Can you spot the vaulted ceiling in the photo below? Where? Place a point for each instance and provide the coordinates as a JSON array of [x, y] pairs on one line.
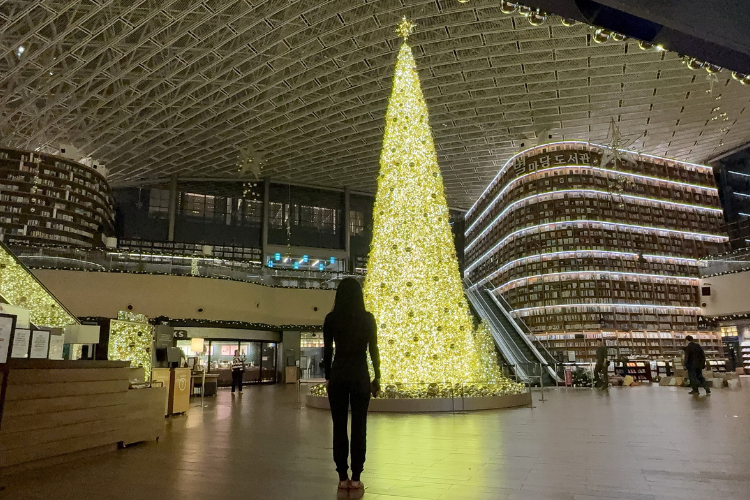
[[155, 87]]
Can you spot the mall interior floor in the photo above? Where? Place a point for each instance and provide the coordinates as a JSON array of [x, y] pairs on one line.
[[644, 443]]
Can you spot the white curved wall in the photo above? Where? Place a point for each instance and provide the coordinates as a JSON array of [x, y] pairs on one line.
[[730, 294], [179, 297]]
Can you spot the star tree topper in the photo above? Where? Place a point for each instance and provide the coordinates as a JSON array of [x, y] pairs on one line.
[[405, 28]]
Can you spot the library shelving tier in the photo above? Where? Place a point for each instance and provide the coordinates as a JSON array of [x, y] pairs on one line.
[[745, 355], [639, 370], [579, 247], [47, 200]]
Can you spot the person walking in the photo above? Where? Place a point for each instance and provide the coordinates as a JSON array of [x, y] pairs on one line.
[[695, 362], [732, 360], [238, 368], [600, 369], [353, 331]]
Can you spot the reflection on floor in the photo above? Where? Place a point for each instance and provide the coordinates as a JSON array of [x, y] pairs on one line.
[[627, 443]]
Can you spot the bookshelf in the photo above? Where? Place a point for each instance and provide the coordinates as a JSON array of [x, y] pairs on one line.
[[745, 355], [639, 370], [645, 345], [47, 200], [574, 246]]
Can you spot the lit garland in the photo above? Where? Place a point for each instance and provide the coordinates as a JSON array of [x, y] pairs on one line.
[[487, 352], [501, 387], [21, 288], [413, 285], [131, 342]]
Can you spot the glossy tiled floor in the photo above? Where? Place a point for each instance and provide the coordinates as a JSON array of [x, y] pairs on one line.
[[628, 443]]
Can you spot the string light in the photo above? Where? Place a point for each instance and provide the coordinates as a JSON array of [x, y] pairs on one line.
[[589, 146], [413, 286], [527, 311], [569, 254], [552, 225], [21, 288], [574, 274], [539, 173], [560, 193]]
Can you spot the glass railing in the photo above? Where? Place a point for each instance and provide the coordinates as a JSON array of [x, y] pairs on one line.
[[175, 265]]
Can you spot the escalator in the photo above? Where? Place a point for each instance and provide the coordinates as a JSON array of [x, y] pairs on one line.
[[511, 339]]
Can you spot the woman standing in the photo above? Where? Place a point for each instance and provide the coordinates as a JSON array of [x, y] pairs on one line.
[[352, 329]]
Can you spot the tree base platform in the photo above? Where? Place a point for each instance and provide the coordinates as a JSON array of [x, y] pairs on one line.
[[433, 405]]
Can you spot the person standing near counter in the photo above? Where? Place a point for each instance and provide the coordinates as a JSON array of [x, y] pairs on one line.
[[238, 368]]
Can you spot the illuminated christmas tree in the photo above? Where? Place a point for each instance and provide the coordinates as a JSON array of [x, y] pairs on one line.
[[413, 284]]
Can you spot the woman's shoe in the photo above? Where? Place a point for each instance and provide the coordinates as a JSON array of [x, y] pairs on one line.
[[356, 485], [345, 485]]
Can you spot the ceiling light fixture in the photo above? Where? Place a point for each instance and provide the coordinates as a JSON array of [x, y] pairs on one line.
[[537, 17], [692, 62], [525, 11], [645, 45], [567, 22], [601, 36], [20, 50], [711, 68], [508, 7], [741, 77]]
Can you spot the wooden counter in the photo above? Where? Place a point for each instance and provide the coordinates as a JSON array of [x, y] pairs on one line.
[[57, 411]]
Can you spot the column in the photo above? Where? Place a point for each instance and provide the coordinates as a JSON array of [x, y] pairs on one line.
[[265, 219], [172, 206], [347, 231]]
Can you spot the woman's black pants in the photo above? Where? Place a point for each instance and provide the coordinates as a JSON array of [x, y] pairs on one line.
[[237, 379], [341, 394]]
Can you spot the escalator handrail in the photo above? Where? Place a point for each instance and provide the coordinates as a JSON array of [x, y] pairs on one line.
[[520, 322], [514, 356], [525, 338]]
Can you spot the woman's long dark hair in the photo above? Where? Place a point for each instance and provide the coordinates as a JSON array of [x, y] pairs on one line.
[[349, 298]]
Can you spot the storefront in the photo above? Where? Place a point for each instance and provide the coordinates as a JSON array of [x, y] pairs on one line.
[[311, 355], [259, 349]]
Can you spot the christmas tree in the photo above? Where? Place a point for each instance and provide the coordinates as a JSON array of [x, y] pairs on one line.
[[413, 285]]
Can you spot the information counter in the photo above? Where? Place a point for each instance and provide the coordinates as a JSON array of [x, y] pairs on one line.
[[177, 381], [56, 411]]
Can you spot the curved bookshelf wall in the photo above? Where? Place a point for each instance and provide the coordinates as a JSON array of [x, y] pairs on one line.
[[46, 200], [585, 250]]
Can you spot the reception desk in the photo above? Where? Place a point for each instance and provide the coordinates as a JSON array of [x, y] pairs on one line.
[[56, 411]]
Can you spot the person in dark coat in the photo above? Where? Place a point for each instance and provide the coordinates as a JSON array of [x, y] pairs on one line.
[[695, 362], [353, 331], [732, 361], [600, 369]]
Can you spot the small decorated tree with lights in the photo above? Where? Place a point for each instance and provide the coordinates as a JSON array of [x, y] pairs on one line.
[[413, 286]]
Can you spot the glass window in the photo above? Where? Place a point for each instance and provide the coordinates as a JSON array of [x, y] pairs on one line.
[[185, 345], [158, 204], [325, 219], [356, 222], [222, 352], [253, 212], [268, 362], [278, 213], [251, 351], [193, 204]]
